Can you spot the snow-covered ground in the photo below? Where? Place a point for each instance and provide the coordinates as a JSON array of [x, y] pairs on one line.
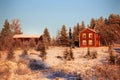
[[53, 68]]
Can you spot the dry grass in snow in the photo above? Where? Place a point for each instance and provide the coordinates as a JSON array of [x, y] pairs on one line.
[[55, 67]]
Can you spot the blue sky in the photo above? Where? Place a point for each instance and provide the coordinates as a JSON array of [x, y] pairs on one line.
[[35, 15]]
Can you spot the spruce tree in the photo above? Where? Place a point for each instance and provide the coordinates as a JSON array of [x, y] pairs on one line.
[[92, 23], [6, 29], [70, 34], [6, 36], [64, 36], [70, 37], [76, 32], [6, 40], [82, 26], [47, 35], [58, 38]]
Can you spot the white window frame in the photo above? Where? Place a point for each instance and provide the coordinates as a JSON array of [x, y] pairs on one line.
[[84, 42], [90, 35], [90, 42], [84, 35]]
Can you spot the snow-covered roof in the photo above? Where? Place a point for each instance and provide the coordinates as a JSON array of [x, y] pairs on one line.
[[88, 29], [26, 36]]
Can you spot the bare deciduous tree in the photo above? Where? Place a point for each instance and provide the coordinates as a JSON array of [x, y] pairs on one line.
[[15, 26]]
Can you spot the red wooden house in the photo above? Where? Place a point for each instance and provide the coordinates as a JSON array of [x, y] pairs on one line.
[[89, 38]]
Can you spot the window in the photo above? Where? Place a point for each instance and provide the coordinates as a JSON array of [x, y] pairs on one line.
[[84, 42], [90, 35], [84, 35], [90, 42]]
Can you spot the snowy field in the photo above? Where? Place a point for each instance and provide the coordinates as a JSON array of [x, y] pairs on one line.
[[54, 68]]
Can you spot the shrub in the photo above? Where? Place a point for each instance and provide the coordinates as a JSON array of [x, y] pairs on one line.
[[94, 54], [4, 71], [91, 54], [32, 43], [10, 54], [42, 49], [107, 72], [111, 59], [18, 43], [68, 55], [25, 52], [114, 57], [43, 54], [40, 46], [65, 54], [22, 69], [71, 54], [25, 45]]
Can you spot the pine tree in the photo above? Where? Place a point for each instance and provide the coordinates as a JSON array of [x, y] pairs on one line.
[[108, 30], [6, 29], [4, 35], [78, 28], [100, 21], [68, 54], [114, 19], [6, 40], [64, 36], [47, 35], [82, 26], [58, 38], [70, 34], [92, 23], [42, 48], [70, 37], [76, 32]]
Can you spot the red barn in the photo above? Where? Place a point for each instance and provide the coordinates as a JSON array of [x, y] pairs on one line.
[[89, 38], [24, 37]]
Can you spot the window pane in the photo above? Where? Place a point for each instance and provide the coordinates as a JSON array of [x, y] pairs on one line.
[[90, 42], [84, 42], [90, 35], [84, 35]]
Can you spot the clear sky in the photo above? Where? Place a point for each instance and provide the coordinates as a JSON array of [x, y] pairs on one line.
[[35, 15]]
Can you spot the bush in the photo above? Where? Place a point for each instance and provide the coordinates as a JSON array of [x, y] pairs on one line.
[[91, 54], [114, 57], [68, 55], [71, 54], [32, 43], [42, 49], [43, 54], [40, 46], [94, 54], [10, 54], [18, 43], [111, 59], [22, 69], [4, 71], [25, 52], [107, 72]]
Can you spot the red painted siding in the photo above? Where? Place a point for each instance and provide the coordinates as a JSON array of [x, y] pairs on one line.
[[91, 41]]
